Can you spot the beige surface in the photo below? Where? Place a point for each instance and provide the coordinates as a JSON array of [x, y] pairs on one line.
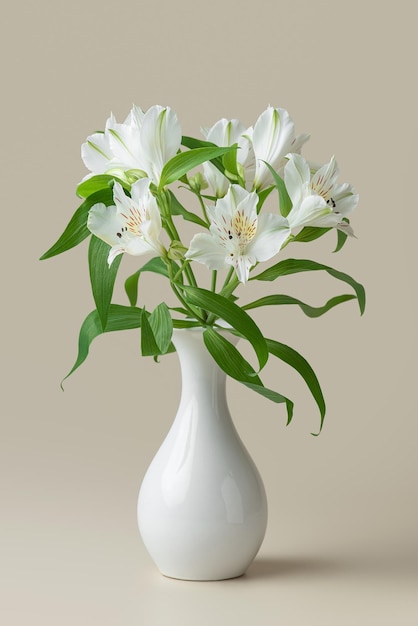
[[341, 547]]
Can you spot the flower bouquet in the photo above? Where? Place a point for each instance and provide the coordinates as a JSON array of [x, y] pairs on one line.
[[129, 206]]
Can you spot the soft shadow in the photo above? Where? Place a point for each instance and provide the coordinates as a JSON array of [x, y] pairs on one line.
[[293, 567]]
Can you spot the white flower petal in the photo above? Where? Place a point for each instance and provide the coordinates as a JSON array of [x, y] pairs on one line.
[[206, 249], [160, 139], [296, 177], [242, 265], [273, 135], [308, 212], [105, 223], [96, 153], [272, 232]]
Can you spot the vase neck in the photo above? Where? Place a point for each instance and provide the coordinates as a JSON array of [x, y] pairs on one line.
[[202, 378]]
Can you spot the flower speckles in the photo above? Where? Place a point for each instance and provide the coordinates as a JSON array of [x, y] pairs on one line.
[[132, 224], [238, 237]]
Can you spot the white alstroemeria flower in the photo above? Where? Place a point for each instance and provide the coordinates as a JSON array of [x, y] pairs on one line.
[[131, 225], [226, 133], [238, 237], [97, 153], [143, 143], [273, 138], [317, 199]]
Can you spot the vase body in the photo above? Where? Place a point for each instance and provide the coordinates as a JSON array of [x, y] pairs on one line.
[[202, 510]]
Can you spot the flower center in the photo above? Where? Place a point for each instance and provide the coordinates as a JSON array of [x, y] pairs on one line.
[[133, 222]]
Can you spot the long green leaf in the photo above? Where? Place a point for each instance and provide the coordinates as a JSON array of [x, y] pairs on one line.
[[301, 365], [232, 314], [310, 311], [285, 203], [162, 326], [149, 345], [119, 318], [155, 265], [102, 277], [294, 266], [183, 162], [193, 143], [76, 230], [233, 363]]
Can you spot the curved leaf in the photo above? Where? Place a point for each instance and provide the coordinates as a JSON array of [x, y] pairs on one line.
[[301, 365], [233, 363], [119, 318], [285, 203], [310, 311], [232, 314], [102, 277], [76, 230], [183, 162], [294, 266]]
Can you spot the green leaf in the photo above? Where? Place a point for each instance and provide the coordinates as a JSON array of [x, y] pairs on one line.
[[232, 314], [162, 327], [97, 183], [301, 365], [262, 197], [119, 318], [183, 162], [310, 233], [155, 265], [294, 266], [102, 277], [310, 311], [285, 203], [185, 323], [149, 345], [341, 237], [178, 209], [76, 230], [192, 143], [233, 364]]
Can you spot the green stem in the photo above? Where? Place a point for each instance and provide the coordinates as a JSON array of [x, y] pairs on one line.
[[194, 313], [214, 277]]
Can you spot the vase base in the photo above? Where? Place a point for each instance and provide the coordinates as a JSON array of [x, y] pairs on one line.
[[203, 579]]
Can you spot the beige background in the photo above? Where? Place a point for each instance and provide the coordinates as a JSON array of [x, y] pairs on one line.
[[341, 546]]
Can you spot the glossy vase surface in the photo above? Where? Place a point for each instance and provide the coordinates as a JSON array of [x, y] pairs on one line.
[[202, 509]]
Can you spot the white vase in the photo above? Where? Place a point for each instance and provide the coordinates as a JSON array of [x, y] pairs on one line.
[[202, 509]]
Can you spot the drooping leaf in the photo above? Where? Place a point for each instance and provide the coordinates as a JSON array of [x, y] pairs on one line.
[[119, 318], [233, 363], [102, 277], [232, 314], [341, 237], [310, 311], [76, 230], [294, 266], [183, 162], [301, 365]]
